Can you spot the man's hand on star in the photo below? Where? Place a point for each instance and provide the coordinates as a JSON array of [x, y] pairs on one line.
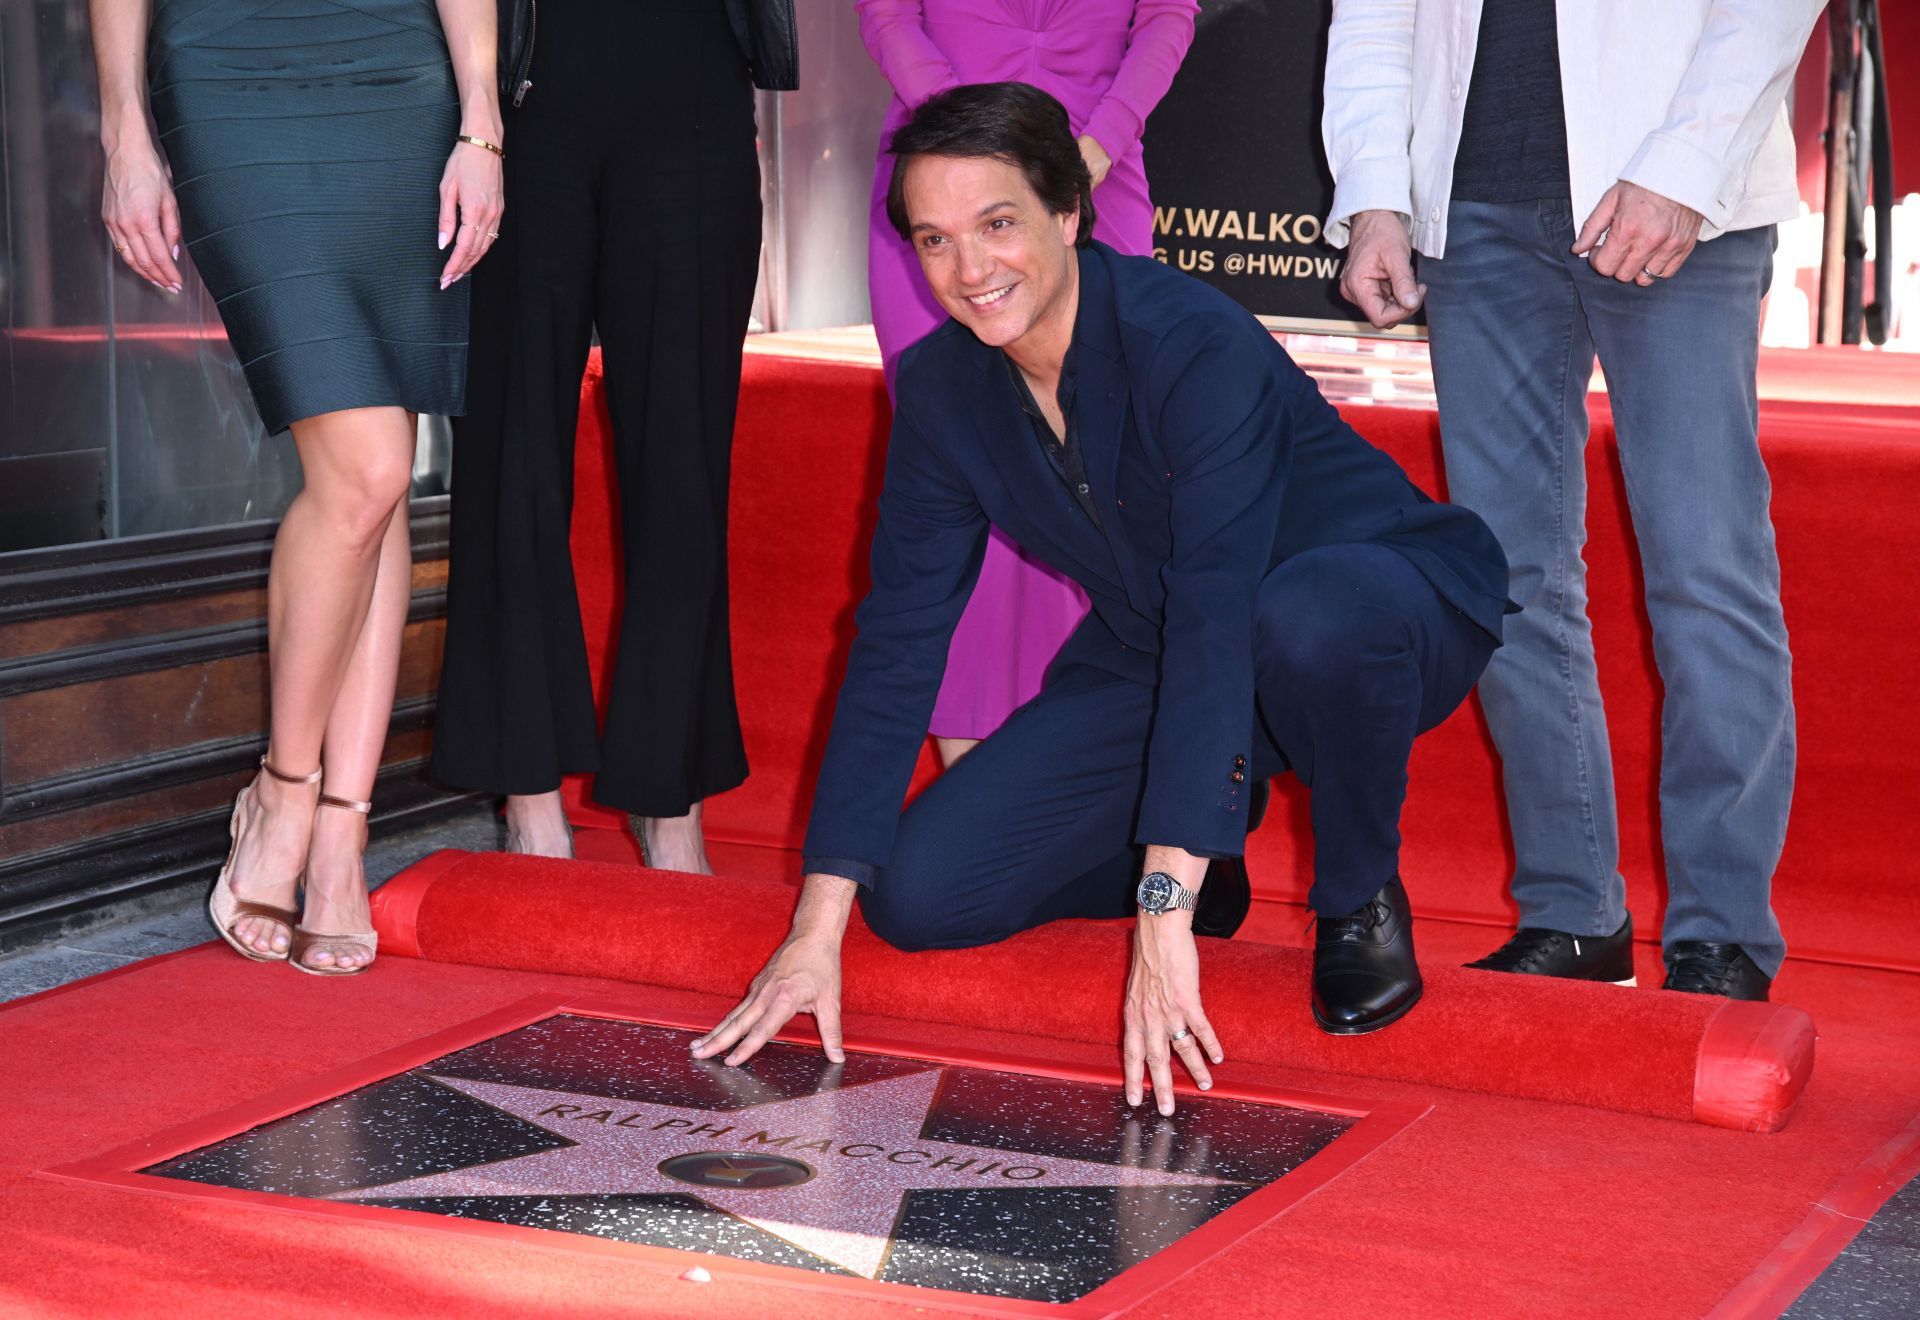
[[803, 976], [1637, 236], [1163, 993]]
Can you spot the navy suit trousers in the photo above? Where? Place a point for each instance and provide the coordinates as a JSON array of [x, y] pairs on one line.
[[1356, 653]]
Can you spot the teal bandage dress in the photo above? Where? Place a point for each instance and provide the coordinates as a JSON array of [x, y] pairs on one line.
[[307, 141]]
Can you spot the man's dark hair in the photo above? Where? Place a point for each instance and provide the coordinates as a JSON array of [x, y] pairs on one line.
[[1010, 121]]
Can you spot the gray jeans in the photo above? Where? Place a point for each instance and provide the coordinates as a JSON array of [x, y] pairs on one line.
[[1515, 321]]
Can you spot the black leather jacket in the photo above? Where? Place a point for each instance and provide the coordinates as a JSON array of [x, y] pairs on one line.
[[766, 29]]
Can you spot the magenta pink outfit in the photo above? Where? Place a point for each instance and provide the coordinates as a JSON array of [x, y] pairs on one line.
[[1109, 62]]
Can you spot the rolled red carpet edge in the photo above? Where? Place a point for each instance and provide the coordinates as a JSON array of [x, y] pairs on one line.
[[1733, 1065]]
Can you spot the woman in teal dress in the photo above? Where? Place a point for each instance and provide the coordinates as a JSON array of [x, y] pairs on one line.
[[334, 172]]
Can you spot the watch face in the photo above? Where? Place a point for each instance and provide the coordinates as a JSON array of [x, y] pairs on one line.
[[1156, 888]]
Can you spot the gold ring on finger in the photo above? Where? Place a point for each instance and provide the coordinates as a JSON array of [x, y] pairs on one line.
[[121, 248]]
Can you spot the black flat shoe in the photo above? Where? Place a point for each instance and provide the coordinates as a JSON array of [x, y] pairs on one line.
[[1703, 967], [1365, 976], [1225, 898], [1227, 895], [1537, 951]]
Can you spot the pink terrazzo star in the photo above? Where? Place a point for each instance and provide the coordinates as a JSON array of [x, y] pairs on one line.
[[862, 1143]]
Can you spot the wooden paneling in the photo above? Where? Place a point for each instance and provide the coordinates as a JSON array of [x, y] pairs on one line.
[[115, 815], [63, 731], [94, 627], [46, 636], [133, 706]]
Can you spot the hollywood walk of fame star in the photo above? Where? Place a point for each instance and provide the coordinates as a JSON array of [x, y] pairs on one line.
[[863, 1143]]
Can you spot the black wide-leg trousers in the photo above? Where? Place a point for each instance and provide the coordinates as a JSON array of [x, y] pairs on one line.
[[1355, 654], [633, 208]]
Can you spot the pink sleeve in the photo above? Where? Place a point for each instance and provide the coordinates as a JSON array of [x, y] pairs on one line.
[[1156, 43], [898, 42]]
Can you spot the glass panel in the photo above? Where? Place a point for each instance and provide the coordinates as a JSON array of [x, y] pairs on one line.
[[826, 135], [122, 410]]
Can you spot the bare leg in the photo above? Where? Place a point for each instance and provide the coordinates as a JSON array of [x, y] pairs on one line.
[[356, 734], [356, 465], [952, 749], [673, 843], [537, 825]]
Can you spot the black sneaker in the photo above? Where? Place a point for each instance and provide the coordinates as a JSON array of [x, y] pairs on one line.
[[1536, 951], [1703, 967]]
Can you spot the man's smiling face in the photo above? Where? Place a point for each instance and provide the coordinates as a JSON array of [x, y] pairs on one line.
[[995, 257]]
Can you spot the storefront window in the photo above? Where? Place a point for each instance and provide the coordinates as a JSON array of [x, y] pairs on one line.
[[123, 411]]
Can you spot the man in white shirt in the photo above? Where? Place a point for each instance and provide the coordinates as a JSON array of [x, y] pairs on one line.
[[1579, 178]]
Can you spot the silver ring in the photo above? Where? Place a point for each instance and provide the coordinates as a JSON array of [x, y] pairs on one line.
[[1181, 1034], [1648, 273]]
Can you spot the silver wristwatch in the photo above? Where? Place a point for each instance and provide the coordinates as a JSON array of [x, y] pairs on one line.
[[1160, 892]]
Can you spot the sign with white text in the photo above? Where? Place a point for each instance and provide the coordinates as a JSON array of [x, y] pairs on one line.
[[1238, 177]]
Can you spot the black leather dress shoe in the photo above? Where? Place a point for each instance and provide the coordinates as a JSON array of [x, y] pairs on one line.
[[1703, 967], [1364, 972], [1537, 951], [1227, 895]]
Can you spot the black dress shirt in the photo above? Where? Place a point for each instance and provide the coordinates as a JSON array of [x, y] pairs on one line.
[[1063, 454]]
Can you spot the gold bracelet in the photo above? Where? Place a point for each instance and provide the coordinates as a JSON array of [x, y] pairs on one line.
[[482, 142]]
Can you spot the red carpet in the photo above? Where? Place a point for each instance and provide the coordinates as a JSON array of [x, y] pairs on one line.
[[1503, 1199], [1734, 1065], [1846, 477], [1489, 1205]]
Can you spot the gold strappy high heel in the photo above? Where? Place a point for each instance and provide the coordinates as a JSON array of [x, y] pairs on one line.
[[222, 905], [305, 940]]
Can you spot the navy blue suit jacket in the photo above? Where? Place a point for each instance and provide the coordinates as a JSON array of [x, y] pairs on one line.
[[1213, 458]]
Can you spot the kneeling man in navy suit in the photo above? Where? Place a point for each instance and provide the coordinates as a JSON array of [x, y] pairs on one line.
[[1270, 593]]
